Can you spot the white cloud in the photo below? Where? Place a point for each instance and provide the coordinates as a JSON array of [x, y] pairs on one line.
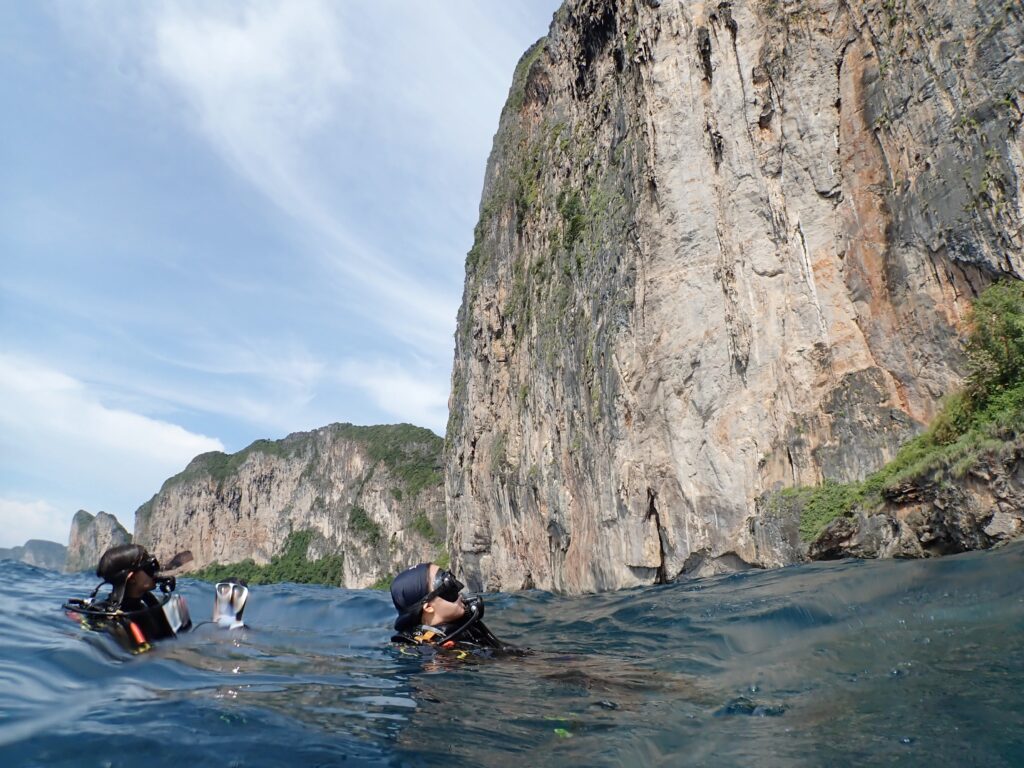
[[24, 520], [419, 397], [56, 432], [268, 67], [52, 404], [258, 80], [267, 86]]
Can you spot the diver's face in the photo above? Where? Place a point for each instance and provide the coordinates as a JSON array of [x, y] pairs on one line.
[[437, 610], [139, 583]]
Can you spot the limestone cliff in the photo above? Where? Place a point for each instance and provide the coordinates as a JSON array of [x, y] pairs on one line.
[[37, 552], [723, 248], [90, 537], [937, 514], [372, 494]]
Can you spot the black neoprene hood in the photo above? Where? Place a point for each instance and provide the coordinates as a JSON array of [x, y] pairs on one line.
[[407, 593]]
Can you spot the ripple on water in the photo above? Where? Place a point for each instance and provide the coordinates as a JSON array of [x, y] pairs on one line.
[[829, 663]]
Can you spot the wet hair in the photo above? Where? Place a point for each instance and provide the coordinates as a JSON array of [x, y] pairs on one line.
[[117, 562]]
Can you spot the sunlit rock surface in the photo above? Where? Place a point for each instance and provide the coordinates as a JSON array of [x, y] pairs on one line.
[[371, 494], [723, 248], [90, 537]]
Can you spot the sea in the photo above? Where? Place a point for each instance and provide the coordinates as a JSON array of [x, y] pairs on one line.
[[851, 663]]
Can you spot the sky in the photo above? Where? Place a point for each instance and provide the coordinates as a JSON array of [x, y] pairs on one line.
[[230, 221]]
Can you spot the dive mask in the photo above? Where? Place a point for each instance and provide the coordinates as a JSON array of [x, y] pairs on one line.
[[150, 565], [445, 586]]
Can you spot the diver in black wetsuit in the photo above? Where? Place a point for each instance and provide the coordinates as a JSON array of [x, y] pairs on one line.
[[432, 611], [131, 605], [134, 614]]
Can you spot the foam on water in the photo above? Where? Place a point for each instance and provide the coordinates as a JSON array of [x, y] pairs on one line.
[[867, 663]]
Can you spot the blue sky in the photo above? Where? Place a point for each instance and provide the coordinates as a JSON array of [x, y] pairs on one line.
[[228, 221]]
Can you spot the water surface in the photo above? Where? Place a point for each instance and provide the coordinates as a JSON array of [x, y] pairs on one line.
[[852, 663]]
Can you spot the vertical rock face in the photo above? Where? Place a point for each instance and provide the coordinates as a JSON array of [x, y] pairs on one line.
[[38, 552], [90, 537], [373, 494], [723, 248]]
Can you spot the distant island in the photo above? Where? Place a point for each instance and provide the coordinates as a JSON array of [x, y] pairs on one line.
[[38, 552]]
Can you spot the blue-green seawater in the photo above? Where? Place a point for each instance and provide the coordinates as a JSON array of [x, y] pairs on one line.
[[852, 663]]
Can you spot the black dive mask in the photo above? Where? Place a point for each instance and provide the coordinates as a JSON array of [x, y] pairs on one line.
[[150, 565], [445, 586]]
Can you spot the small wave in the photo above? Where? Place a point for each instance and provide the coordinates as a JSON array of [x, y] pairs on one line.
[[919, 656]]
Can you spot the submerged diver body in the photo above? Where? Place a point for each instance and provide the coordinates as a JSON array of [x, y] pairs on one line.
[[133, 614], [433, 612]]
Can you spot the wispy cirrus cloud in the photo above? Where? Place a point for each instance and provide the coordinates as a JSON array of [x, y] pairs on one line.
[[266, 84], [409, 393], [237, 218]]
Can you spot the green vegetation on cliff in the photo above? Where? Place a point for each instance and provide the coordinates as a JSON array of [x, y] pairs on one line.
[[986, 415], [412, 453], [361, 524], [293, 564], [221, 466]]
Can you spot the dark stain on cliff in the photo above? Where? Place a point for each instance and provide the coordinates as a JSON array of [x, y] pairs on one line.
[[538, 86], [724, 14], [704, 51], [597, 27], [717, 144]]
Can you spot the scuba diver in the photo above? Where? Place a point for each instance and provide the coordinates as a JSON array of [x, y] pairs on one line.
[[133, 614], [432, 611]]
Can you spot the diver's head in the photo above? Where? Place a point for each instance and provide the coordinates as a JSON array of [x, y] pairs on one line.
[[118, 562], [426, 594], [130, 569]]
